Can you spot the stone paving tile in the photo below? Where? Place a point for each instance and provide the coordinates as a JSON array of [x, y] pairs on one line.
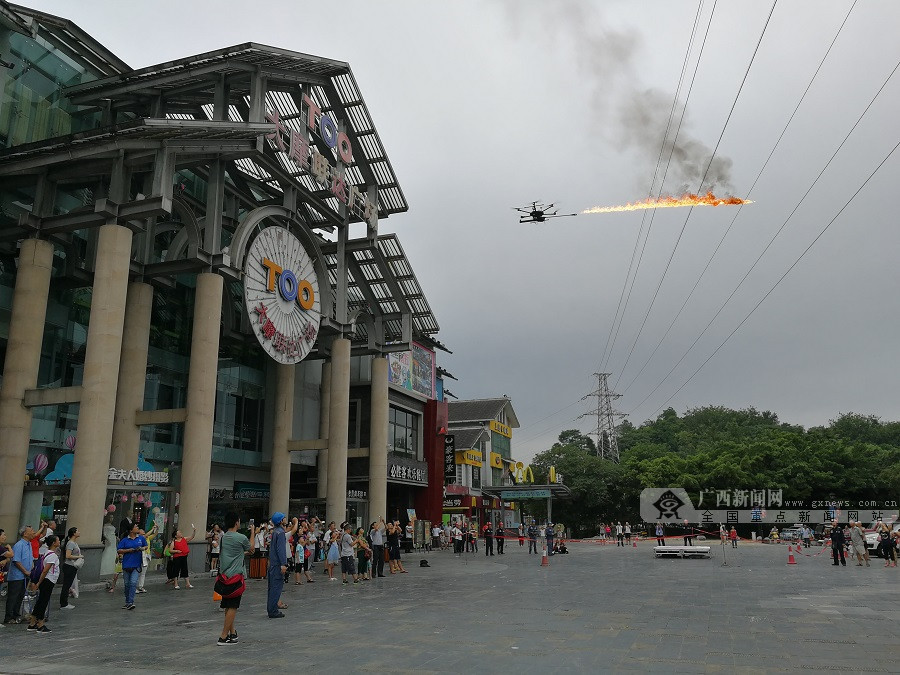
[[598, 610]]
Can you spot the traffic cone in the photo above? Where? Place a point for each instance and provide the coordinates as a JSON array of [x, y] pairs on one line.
[[545, 561], [791, 560]]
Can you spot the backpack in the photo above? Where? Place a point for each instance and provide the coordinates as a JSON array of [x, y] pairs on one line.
[[37, 570]]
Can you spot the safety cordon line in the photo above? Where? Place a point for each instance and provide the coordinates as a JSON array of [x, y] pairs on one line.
[[611, 540]]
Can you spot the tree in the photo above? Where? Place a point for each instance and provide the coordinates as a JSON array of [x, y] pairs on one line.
[[856, 457], [599, 486]]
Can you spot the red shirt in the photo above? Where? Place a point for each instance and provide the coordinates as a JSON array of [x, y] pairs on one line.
[[180, 548], [35, 547]]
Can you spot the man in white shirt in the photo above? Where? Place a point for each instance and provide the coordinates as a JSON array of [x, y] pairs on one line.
[[436, 537], [456, 534], [260, 539], [376, 534]]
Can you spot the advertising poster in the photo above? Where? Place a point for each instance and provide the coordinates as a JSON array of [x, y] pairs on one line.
[[413, 370], [423, 370]]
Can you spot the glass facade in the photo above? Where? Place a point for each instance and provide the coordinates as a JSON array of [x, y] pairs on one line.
[[32, 107], [241, 383]]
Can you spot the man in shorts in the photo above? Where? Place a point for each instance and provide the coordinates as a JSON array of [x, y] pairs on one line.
[[348, 557], [234, 547], [858, 539]]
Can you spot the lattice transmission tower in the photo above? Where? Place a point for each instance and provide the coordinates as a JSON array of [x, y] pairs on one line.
[[606, 430]]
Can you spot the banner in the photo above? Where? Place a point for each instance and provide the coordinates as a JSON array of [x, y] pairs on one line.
[[449, 457]]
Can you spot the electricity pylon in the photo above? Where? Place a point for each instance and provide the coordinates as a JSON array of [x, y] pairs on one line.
[[606, 429]]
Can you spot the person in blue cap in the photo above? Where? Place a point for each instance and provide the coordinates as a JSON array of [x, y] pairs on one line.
[[277, 566]]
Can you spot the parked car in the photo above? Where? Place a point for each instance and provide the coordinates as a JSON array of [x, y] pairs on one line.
[[790, 534]]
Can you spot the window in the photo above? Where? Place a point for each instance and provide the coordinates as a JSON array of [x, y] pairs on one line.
[[476, 476], [459, 474], [353, 422], [403, 433]]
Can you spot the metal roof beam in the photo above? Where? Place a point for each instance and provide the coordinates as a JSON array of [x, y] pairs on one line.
[[363, 166], [142, 84]]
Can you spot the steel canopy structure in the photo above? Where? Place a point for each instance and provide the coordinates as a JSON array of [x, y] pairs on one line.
[[224, 117], [187, 87]]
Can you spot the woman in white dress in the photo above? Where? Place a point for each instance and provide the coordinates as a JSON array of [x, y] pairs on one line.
[[108, 557]]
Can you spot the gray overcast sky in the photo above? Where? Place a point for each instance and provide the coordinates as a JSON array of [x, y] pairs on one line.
[[487, 105]]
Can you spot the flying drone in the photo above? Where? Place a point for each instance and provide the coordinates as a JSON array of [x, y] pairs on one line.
[[538, 213]]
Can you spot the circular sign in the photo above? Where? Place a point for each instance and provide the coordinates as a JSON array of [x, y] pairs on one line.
[[281, 291]]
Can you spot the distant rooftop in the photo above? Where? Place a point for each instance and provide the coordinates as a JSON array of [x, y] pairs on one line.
[[482, 410]]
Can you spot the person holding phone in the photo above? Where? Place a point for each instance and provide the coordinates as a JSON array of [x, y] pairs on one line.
[[179, 548], [235, 547], [376, 534], [131, 550], [277, 567]]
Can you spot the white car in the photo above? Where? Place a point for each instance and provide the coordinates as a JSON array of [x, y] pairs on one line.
[[790, 534]]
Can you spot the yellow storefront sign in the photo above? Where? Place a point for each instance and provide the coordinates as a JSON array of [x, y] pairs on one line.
[[471, 457], [496, 460], [501, 429]]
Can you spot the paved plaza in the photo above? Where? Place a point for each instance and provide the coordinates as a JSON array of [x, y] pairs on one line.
[[599, 609]]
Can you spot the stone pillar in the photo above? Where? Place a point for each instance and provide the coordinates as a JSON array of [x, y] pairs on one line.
[[280, 479], [324, 403], [201, 403], [378, 439], [126, 436], [338, 418], [87, 494], [20, 372]]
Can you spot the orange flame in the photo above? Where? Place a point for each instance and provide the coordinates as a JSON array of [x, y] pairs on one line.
[[709, 199]]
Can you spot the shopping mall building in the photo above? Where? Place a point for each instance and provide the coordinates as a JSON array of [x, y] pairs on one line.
[[197, 310]]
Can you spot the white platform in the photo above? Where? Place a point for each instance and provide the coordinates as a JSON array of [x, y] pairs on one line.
[[682, 551]]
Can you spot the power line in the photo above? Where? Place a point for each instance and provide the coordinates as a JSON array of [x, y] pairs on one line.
[[741, 207], [571, 405], [665, 173], [653, 180], [691, 210], [775, 236], [781, 278]]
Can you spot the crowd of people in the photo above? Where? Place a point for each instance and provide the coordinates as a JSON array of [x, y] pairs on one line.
[[293, 547], [851, 539], [32, 568], [463, 536]]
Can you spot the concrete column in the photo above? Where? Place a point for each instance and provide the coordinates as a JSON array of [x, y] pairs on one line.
[[378, 439], [20, 372], [126, 436], [280, 479], [87, 494], [201, 403], [338, 418], [324, 403]]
